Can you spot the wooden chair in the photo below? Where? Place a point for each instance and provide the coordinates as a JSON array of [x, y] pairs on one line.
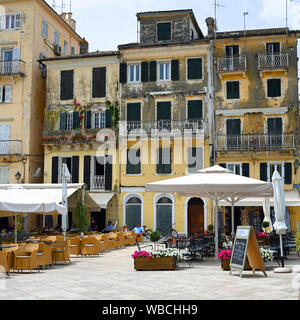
[[23, 261], [90, 246], [50, 238], [103, 244], [4, 260], [75, 246], [44, 255], [120, 240], [61, 251], [11, 256], [112, 238], [30, 247], [129, 238]]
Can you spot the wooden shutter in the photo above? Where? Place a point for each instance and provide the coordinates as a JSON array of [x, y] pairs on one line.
[[288, 173], [75, 169], [233, 89], [66, 84], [159, 162], [164, 31], [274, 125], [167, 157], [164, 110], [233, 127], [264, 171], [153, 70], [123, 72], [194, 68], [245, 170], [99, 82], [145, 71], [133, 111], [223, 165], [54, 177], [274, 88], [133, 168], [7, 94], [62, 121], [108, 172], [175, 70], [76, 120], [108, 119], [88, 119], [194, 109], [87, 172]]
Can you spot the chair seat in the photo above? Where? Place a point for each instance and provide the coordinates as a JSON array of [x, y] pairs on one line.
[[60, 250], [88, 245], [73, 245], [23, 257], [39, 254]]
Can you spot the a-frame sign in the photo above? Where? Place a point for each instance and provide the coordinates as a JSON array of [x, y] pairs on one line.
[[245, 244]]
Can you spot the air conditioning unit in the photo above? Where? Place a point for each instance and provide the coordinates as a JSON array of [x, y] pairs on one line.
[[57, 49]]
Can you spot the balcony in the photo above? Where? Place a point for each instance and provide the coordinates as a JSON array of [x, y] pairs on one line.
[[232, 64], [253, 142], [161, 126], [98, 183], [273, 61], [12, 67], [10, 147]]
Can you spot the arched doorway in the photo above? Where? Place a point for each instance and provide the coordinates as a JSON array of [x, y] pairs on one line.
[[195, 215], [133, 212]]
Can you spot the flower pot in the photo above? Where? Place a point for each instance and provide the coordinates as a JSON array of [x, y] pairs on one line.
[[225, 264], [163, 263]]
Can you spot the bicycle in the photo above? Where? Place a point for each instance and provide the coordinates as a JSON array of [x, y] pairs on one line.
[[168, 232], [147, 232]]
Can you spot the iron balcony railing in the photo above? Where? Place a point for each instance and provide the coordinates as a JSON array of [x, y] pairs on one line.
[[10, 147], [271, 61], [285, 141], [11, 67], [98, 183], [232, 64], [161, 126]]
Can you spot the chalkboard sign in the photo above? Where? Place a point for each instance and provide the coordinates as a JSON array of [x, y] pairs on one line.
[[239, 252]]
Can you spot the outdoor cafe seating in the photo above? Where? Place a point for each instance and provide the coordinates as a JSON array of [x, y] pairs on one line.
[[61, 251]]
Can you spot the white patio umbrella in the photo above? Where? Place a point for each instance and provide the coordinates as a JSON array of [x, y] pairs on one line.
[[279, 208], [215, 183]]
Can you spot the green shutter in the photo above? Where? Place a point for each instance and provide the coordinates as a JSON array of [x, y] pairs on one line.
[[233, 89], [194, 109], [245, 170], [263, 171], [87, 119], [123, 72], [168, 156], [274, 88], [133, 168], [62, 121], [164, 110], [164, 31], [175, 70], [133, 112], [75, 120], [159, 164], [223, 165], [288, 173], [108, 119], [233, 127], [145, 71], [153, 70], [194, 69]]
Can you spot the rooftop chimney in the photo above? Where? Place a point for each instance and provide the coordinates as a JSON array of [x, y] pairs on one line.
[[210, 22], [83, 47], [63, 15]]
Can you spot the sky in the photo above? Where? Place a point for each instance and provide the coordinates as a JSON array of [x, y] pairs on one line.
[[107, 23]]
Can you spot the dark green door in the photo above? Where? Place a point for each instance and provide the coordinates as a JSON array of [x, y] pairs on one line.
[[233, 130]]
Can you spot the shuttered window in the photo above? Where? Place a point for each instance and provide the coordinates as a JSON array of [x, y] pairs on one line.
[[274, 88], [145, 71], [195, 159], [75, 169], [153, 75], [134, 73], [6, 94], [66, 84], [75, 121], [274, 125], [133, 111], [194, 109], [54, 177], [4, 175], [87, 171], [164, 161], [88, 119], [123, 72], [273, 47], [194, 67], [174, 70], [164, 31], [108, 119], [164, 110], [283, 168], [241, 169], [232, 51], [133, 164], [233, 89], [99, 82], [108, 172]]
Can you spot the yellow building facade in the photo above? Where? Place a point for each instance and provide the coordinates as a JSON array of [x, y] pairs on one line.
[[256, 114], [78, 128]]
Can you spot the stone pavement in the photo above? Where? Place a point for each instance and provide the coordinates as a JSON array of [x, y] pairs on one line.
[[112, 276]]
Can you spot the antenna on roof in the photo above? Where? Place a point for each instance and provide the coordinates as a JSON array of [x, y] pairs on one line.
[[216, 5], [62, 6]]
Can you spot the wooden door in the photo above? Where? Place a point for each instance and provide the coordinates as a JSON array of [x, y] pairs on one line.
[[195, 218]]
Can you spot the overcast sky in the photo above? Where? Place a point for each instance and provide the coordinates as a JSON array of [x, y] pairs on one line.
[[107, 23]]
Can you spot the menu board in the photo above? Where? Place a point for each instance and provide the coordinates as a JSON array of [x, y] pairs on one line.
[[239, 252]]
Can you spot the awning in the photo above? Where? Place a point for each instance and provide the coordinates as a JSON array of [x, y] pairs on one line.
[[292, 199], [101, 198]]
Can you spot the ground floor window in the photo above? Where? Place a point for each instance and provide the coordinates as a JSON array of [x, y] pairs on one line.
[[164, 213]]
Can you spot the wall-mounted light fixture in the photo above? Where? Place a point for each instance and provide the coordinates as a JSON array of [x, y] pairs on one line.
[[296, 165], [18, 176]]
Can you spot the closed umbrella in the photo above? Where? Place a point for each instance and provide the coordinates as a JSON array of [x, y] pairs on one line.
[[279, 208]]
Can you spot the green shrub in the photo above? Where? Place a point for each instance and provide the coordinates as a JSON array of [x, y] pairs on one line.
[[154, 236], [81, 217], [210, 227], [298, 242], [265, 224]]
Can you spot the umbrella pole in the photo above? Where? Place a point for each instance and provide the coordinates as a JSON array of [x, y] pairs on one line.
[[232, 218], [16, 230], [281, 251], [216, 229]]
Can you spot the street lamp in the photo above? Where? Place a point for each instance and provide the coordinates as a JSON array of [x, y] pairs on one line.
[[18, 176], [296, 165], [24, 159]]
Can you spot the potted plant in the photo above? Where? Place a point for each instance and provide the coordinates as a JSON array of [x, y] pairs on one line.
[[266, 254], [266, 227], [154, 237], [225, 257], [210, 228], [81, 217]]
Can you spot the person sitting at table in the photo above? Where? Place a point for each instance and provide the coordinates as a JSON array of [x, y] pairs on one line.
[[4, 233], [109, 227], [57, 228], [138, 229], [73, 227], [94, 225], [124, 228], [46, 228]]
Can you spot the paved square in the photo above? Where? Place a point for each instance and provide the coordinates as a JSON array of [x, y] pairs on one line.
[[112, 276]]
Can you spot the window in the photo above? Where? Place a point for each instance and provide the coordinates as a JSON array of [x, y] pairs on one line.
[[274, 88], [194, 68], [56, 38], [194, 109], [164, 71], [134, 73], [68, 162], [69, 121], [164, 31], [66, 84], [233, 134], [195, 159], [99, 120], [6, 94], [133, 164], [72, 50], [99, 83], [241, 169], [233, 89], [12, 21], [4, 139], [232, 51], [164, 215], [163, 165], [274, 126], [273, 47], [4, 175], [66, 47], [45, 29], [133, 212], [98, 174], [283, 168]]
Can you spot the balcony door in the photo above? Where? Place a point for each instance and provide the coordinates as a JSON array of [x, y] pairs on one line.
[[274, 137], [232, 53], [164, 116], [4, 139], [7, 61], [233, 130], [133, 117]]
